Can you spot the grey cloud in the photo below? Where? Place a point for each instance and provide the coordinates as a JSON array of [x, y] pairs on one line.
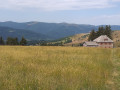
[[55, 4]]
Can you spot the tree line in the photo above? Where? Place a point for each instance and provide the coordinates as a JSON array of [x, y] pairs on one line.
[[59, 42], [13, 41], [101, 31]]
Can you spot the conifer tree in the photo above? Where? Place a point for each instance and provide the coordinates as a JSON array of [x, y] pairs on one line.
[[1, 41], [12, 41], [23, 41], [101, 31], [9, 41], [92, 35], [16, 41], [108, 31]]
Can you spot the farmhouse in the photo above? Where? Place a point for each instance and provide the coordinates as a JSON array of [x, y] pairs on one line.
[[102, 41]]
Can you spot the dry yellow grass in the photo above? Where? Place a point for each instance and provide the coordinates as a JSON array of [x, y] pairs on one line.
[[55, 68], [77, 39], [116, 38]]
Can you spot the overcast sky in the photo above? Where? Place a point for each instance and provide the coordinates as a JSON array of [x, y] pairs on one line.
[[94, 12]]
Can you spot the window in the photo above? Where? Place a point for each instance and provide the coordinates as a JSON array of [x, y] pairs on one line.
[[106, 39], [101, 43], [105, 43]]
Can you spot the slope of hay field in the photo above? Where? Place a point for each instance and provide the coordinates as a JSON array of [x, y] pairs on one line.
[[78, 39], [58, 68], [116, 38]]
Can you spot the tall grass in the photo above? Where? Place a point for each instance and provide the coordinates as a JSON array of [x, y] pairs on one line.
[[54, 68], [116, 72]]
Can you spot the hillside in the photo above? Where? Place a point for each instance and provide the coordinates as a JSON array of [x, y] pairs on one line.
[[80, 38], [116, 38], [29, 35], [53, 30]]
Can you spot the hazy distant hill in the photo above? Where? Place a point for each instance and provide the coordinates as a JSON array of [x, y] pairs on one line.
[[53, 30], [29, 35]]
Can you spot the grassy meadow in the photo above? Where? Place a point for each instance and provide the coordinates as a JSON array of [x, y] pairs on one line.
[[59, 68]]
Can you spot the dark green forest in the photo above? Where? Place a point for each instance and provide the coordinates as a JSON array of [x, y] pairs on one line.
[[13, 41]]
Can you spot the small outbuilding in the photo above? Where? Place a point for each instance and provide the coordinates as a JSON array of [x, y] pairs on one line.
[[90, 44], [102, 41]]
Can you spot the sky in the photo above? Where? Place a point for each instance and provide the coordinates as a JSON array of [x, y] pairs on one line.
[[94, 12]]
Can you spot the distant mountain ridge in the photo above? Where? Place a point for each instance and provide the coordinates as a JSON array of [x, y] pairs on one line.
[[6, 32], [52, 31]]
